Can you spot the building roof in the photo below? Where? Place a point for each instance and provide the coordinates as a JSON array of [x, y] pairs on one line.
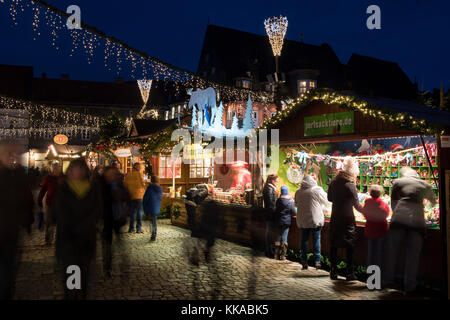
[[229, 53], [16, 81], [232, 53], [380, 78]]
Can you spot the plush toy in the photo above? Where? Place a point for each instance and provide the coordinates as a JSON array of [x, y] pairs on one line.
[[302, 157]]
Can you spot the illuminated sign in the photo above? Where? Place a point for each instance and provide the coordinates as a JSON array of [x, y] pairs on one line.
[[60, 139]]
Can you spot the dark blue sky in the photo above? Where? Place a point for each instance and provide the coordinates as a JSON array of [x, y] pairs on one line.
[[415, 33]]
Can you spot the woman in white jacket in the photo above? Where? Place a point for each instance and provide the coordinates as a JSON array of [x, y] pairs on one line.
[[310, 200]]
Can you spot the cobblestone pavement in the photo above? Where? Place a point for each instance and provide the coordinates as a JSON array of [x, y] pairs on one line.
[[161, 270]]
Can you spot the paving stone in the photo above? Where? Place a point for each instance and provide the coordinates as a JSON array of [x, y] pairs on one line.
[[160, 270]]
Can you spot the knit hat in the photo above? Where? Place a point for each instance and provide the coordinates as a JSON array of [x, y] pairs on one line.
[[284, 190]]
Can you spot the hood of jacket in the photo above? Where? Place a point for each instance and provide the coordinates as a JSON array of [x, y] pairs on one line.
[[308, 182]]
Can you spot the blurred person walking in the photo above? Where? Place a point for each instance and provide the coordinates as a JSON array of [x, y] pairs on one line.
[[16, 211], [344, 196], [49, 185], [270, 196], [116, 210], [407, 222], [136, 186], [77, 206], [152, 204], [284, 211], [310, 200]]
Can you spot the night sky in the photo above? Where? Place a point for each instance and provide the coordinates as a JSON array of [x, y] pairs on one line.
[[414, 33]]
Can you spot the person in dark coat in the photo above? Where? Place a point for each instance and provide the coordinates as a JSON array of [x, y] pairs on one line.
[[344, 196], [270, 196], [407, 223], [285, 209], [77, 206], [111, 177], [152, 204], [16, 211]]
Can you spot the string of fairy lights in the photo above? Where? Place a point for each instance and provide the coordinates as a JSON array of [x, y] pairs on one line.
[[40, 119], [117, 55], [402, 119]]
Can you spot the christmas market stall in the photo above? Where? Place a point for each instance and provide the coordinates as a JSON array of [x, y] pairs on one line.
[[321, 128]]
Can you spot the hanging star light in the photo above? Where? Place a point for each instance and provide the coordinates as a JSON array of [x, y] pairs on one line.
[[276, 30]]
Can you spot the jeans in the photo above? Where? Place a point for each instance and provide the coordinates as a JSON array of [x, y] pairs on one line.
[[282, 234], [136, 214], [414, 242], [153, 224], [316, 243], [375, 252], [268, 237]]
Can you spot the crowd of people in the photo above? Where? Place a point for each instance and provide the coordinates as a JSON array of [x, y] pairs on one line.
[[383, 238], [73, 205]]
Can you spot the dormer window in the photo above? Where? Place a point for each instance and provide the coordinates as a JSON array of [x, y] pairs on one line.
[[305, 85], [246, 84]]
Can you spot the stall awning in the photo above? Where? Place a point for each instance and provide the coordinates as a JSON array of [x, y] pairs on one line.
[[418, 111]]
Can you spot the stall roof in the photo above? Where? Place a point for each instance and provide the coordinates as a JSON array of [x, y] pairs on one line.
[[418, 111], [143, 127]]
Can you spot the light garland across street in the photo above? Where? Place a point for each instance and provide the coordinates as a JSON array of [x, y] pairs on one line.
[[116, 52]]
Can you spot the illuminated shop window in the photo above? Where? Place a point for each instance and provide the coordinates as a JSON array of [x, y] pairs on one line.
[[166, 168]]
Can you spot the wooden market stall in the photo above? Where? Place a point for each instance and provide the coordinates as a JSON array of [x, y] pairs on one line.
[[324, 117]]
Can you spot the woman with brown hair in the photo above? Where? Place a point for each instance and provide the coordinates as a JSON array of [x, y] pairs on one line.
[[270, 196], [77, 206]]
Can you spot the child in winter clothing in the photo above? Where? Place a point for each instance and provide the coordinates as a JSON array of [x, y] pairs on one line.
[[376, 212], [284, 211]]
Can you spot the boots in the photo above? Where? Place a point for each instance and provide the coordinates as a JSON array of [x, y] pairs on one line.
[[284, 248], [333, 273], [276, 250], [350, 274]]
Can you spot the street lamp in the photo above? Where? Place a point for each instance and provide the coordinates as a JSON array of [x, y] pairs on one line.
[[276, 30]]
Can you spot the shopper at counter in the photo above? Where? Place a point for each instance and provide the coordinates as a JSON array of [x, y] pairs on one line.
[[344, 196], [270, 196], [284, 211], [310, 200], [376, 212], [408, 222]]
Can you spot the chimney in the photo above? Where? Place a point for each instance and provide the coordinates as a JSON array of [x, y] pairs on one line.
[[65, 76], [44, 76]]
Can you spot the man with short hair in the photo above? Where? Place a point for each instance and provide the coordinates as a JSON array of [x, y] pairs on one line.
[[135, 185]]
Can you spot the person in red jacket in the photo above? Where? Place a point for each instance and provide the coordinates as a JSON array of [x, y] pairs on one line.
[[49, 186], [376, 212]]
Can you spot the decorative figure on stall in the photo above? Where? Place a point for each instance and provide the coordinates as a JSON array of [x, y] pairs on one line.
[[241, 177]]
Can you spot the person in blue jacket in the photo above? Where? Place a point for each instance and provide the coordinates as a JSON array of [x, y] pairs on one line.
[[152, 203], [285, 209]]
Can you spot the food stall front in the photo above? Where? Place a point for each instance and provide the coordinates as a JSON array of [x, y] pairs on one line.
[[320, 129]]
